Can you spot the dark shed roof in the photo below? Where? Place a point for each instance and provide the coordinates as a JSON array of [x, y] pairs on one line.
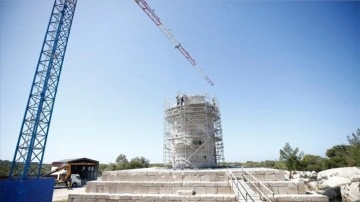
[[78, 160]]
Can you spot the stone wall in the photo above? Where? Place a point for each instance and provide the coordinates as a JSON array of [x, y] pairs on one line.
[[165, 175]]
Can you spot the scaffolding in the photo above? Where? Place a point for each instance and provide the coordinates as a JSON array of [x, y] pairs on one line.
[[192, 133]]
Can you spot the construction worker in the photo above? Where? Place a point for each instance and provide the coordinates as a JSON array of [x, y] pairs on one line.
[[68, 183], [177, 100]]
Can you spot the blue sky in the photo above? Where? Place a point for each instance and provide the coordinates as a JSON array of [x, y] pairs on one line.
[[284, 71]]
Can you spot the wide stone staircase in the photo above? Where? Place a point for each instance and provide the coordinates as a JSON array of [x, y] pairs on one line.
[[228, 185], [153, 185]]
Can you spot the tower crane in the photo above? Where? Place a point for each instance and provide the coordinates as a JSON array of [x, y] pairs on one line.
[[29, 152], [150, 12]]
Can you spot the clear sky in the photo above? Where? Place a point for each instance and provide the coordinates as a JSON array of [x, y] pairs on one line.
[[284, 71]]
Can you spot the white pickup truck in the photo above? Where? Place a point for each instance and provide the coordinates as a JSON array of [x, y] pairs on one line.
[[75, 179]]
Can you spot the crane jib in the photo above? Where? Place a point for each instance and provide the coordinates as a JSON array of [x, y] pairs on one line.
[[150, 12]]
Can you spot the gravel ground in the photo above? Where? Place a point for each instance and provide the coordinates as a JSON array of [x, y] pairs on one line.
[[61, 193]]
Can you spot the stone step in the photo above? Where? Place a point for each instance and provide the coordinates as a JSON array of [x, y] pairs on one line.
[[262, 174], [98, 197], [157, 187], [165, 175], [301, 198], [243, 192], [284, 187]]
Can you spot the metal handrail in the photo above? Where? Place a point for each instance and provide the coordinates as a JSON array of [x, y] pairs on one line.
[[236, 183], [266, 197]]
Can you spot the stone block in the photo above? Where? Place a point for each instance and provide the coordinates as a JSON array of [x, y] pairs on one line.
[[215, 178], [188, 178], [211, 184], [165, 190], [211, 190], [147, 184], [283, 199], [291, 184], [301, 189], [269, 177], [196, 177], [200, 189], [174, 189], [283, 190], [153, 190], [105, 189], [260, 177], [278, 184], [90, 188], [224, 190], [125, 189], [292, 190], [112, 189], [164, 178], [275, 190], [188, 192], [177, 184], [98, 189], [153, 173], [176, 178], [80, 200], [154, 178], [217, 184], [279, 177], [205, 178], [99, 196]]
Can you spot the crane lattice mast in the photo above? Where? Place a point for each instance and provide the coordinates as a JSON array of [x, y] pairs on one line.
[[150, 12], [29, 153]]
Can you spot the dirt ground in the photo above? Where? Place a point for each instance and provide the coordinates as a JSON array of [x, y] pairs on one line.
[[61, 193]]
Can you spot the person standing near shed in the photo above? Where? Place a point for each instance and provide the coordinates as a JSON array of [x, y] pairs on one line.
[[68, 183]]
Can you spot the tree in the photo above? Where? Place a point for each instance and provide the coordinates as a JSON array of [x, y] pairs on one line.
[[121, 159], [122, 162], [354, 148], [280, 165], [5, 168], [139, 163], [111, 167], [102, 168], [338, 156], [313, 163], [291, 157]]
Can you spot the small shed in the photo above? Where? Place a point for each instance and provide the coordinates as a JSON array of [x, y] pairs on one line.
[[87, 168]]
